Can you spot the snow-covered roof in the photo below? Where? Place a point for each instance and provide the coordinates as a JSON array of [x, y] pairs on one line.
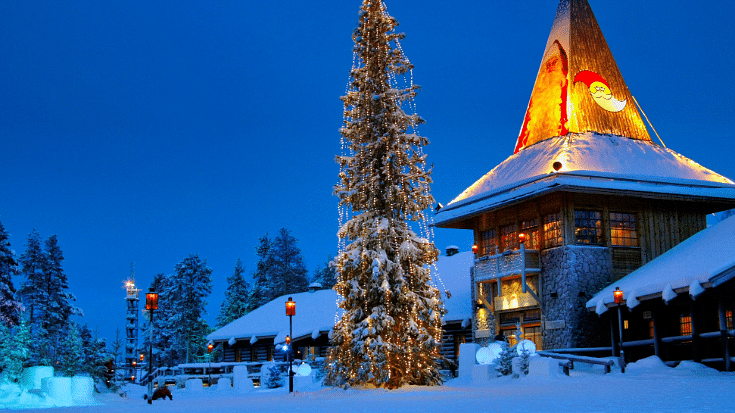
[[591, 161], [315, 312], [703, 258], [454, 273]]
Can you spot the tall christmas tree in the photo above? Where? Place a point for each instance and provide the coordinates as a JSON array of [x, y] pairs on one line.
[[236, 297], [390, 333]]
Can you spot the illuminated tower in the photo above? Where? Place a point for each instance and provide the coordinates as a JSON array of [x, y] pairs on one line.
[[586, 198], [131, 323]]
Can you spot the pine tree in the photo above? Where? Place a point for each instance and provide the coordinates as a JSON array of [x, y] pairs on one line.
[[262, 291], [271, 375], [390, 333], [325, 274], [289, 271], [9, 307], [72, 351], [191, 283], [31, 291], [235, 303], [16, 352], [505, 359]]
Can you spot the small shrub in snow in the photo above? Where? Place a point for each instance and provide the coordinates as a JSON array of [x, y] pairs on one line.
[[505, 359], [270, 376]]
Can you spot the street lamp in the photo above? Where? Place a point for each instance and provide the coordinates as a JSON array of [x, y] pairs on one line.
[[290, 312], [151, 304], [618, 294], [210, 347], [475, 248]]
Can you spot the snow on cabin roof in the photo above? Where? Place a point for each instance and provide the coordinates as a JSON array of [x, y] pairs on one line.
[[315, 311], [587, 160], [454, 272], [704, 257]]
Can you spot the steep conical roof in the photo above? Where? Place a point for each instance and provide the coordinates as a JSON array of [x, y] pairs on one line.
[[579, 87]]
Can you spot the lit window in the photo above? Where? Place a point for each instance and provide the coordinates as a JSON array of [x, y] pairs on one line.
[[588, 227], [685, 325], [530, 228], [508, 237], [552, 230], [728, 319], [238, 355], [489, 242], [623, 229], [650, 329]]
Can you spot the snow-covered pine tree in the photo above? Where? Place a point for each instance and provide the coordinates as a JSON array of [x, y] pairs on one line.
[[390, 333], [262, 291], [505, 359], [191, 284], [31, 290], [235, 303], [72, 353], [289, 271], [57, 307], [271, 375], [16, 355], [325, 274], [9, 307]]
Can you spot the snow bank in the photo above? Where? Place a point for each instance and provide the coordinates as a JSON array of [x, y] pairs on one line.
[[32, 377]]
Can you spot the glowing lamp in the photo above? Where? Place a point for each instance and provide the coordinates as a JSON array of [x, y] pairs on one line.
[[618, 293], [556, 165], [290, 307], [142, 356], [288, 340], [151, 300], [475, 248], [210, 347], [522, 238], [132, 378], [134, 363]]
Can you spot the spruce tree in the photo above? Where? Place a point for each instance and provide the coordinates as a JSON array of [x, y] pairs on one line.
[[31, 291], [72, 352], [235, 303], [262, 291], [390, 333], [191, 284], [325, 274], [17, 351], [9, 307], [289, 271]]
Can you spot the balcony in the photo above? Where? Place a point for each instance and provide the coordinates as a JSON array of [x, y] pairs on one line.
[[515, 301], [505, 264]]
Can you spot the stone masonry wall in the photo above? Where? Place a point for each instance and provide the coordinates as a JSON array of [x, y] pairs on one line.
[[574, 273]]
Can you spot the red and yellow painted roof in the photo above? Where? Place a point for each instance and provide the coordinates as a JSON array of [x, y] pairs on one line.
[[578, 87]]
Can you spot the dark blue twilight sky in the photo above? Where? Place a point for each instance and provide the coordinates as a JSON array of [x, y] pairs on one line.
[[142, 131]]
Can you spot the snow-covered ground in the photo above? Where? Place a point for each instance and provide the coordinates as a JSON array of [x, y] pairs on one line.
[[647, 386]]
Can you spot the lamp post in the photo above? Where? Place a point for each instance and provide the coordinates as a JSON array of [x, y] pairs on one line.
[[618, 294], [151, 304], [290, 312], [210, 347]]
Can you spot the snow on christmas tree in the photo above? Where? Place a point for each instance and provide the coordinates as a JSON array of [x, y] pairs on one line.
[[390, 333]]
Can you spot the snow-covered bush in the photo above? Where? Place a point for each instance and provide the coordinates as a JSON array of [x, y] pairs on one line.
[[270, 376], [505, 359]]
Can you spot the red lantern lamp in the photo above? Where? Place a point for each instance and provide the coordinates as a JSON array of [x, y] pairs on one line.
[[151, 300], [522, 238], [210, 347], [475, 248], [618, 293], [290, 307], [142, 356]]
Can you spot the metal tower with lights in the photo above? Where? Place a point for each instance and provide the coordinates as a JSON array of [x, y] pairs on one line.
[[131, 325]]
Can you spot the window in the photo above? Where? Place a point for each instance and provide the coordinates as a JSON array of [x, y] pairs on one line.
[[530, 228], [650, 329], [238, 355], [510, 318], [623, 229], [532, 315], [253, 353], [685, 325], [489, 242], [552, 230], [534, 334], [269, 353], [728, 319], [508, 237], [588, 227]]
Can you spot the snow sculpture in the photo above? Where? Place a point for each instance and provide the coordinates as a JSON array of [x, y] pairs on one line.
[[303, 370], [32, 377], [484, 356], [242, 383], [59, 389], [82, 389], [526, 345], [194, 385]]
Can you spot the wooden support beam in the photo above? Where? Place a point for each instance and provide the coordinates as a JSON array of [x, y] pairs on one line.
[[695, 331], [656, 333]]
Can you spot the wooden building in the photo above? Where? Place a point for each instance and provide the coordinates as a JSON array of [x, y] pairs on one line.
[[591, 193], [680, 305]]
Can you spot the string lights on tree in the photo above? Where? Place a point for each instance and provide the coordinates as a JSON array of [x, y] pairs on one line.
[[390, 332]]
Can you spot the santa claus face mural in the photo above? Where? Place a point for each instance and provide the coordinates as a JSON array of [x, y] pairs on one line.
[[600, 91]]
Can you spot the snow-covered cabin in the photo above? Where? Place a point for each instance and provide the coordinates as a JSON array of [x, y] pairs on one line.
[[679, 306], [254, 336], [593, 195]]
